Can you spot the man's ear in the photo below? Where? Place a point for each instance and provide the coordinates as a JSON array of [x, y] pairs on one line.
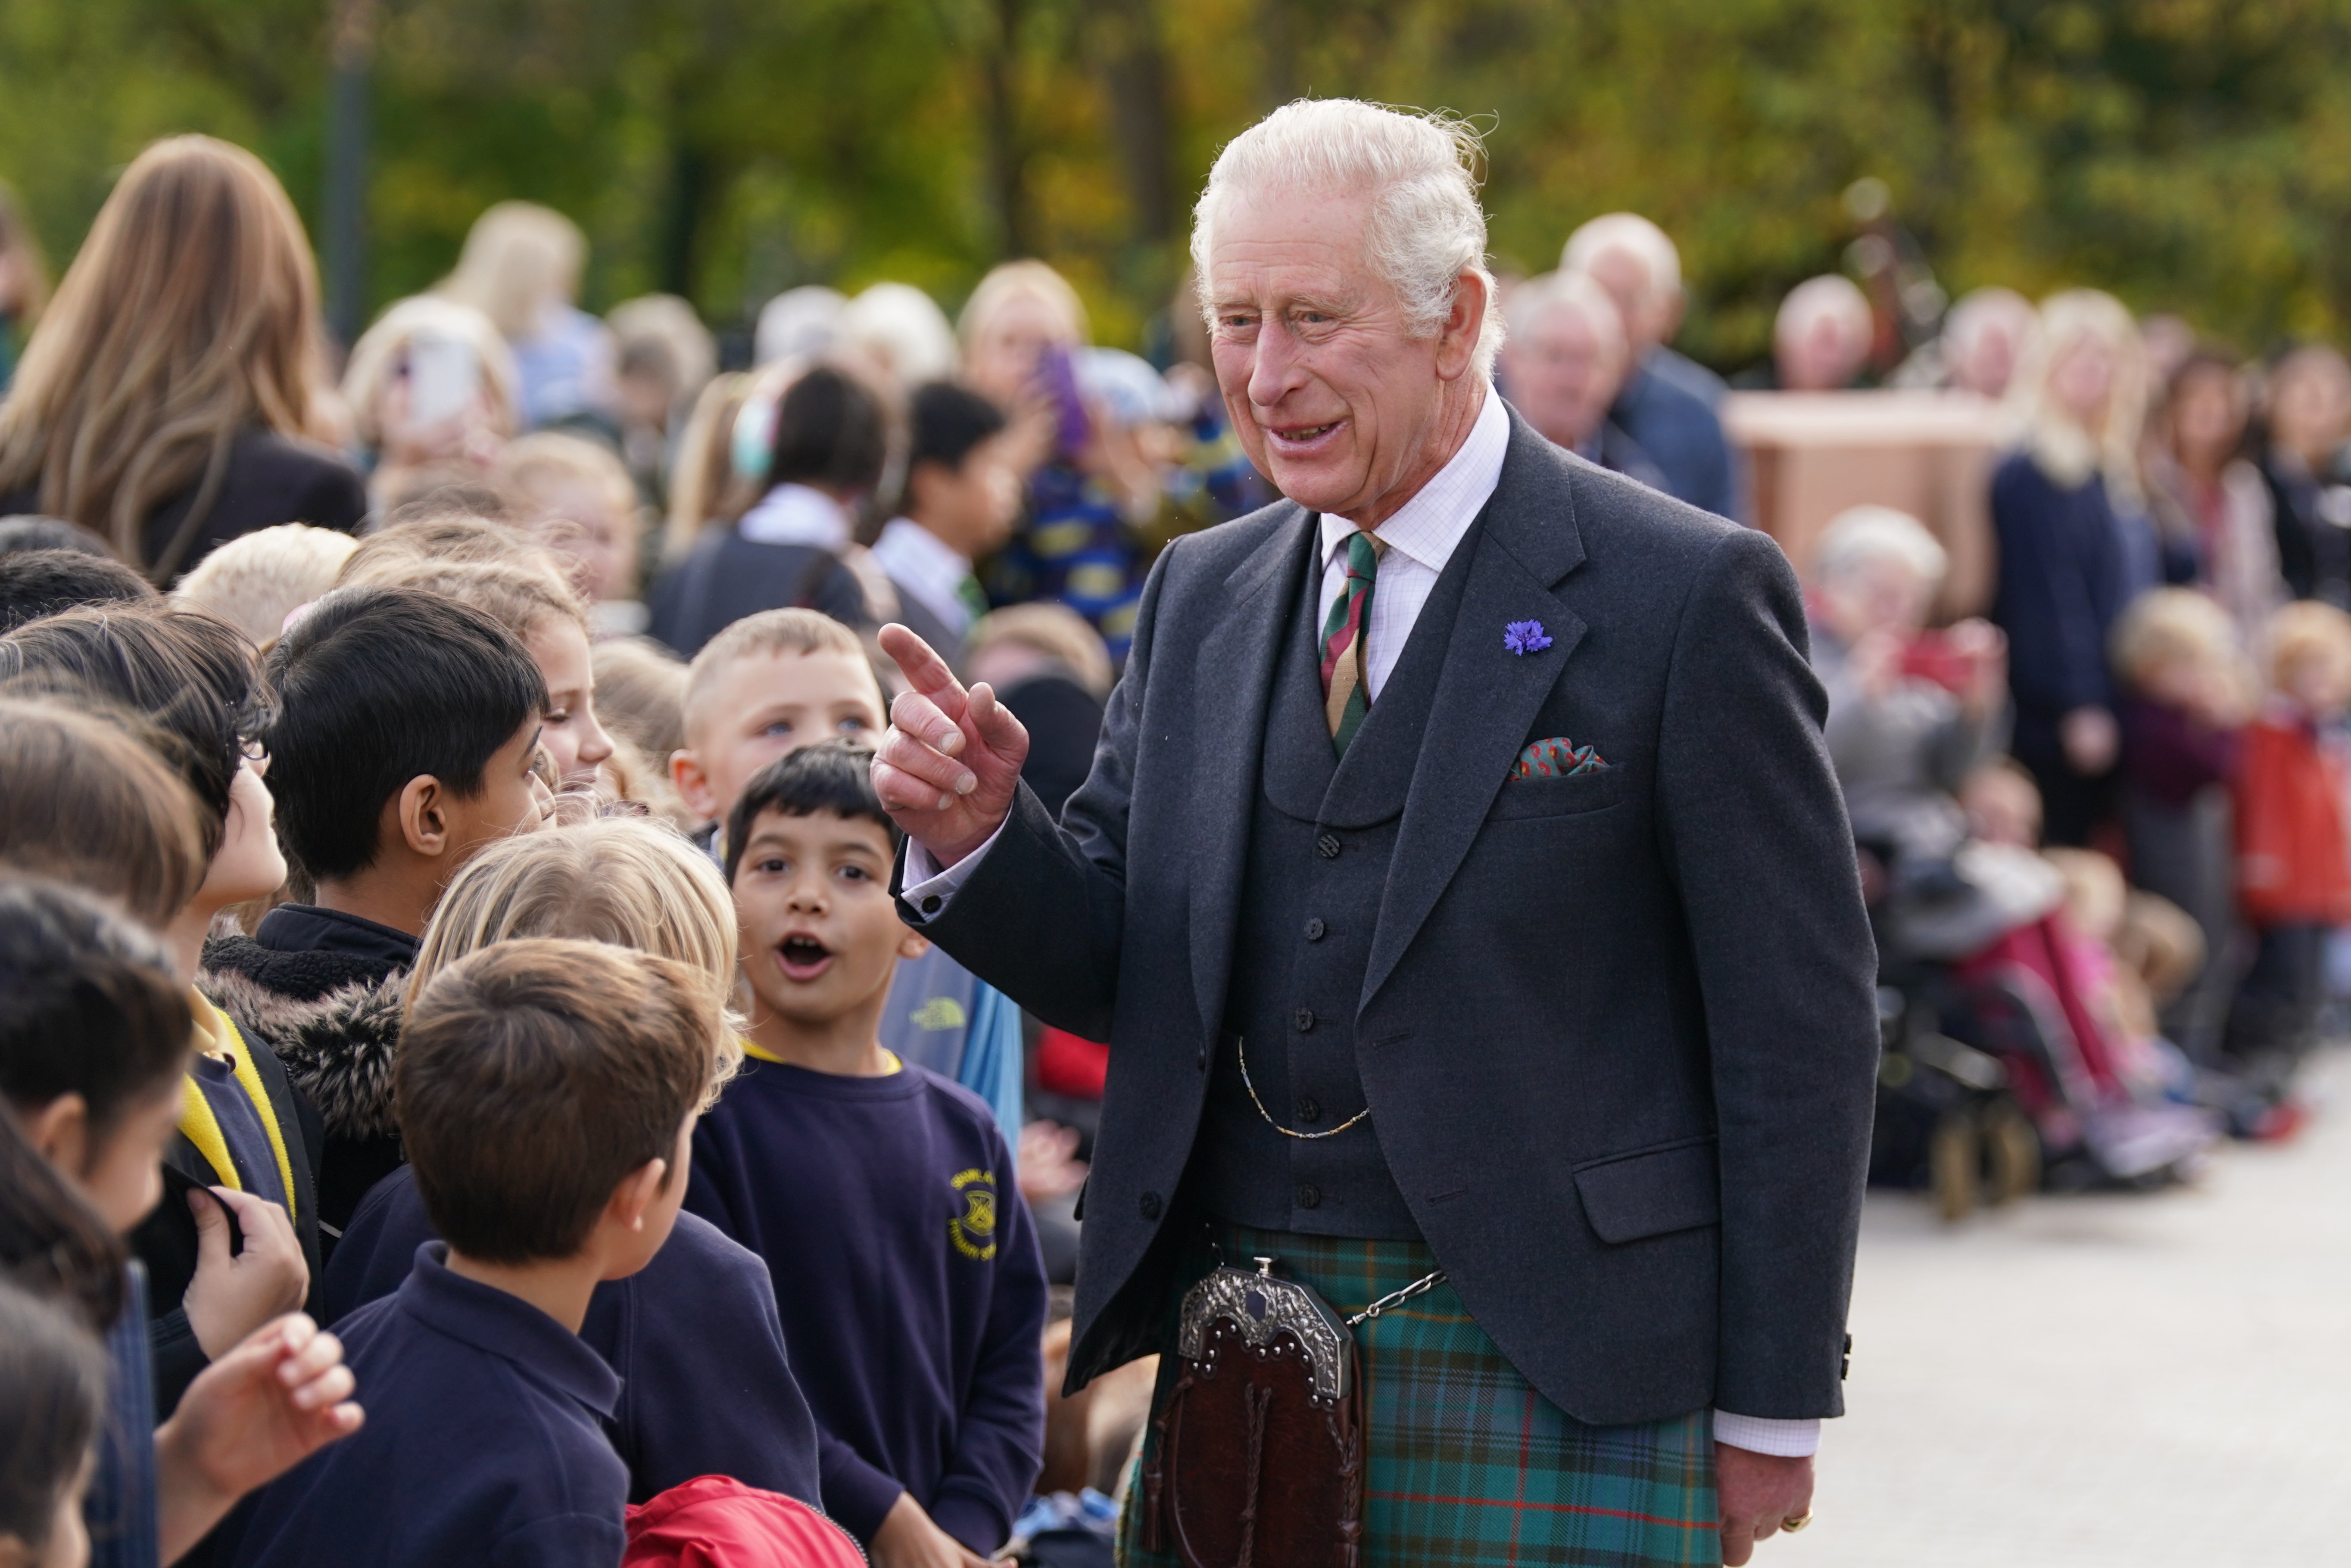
[[422, 810], [1456, 344], [635, 1194], [60, 1130], [692, 784], [912, 944]]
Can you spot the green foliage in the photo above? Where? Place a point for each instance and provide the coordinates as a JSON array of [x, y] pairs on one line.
[[2193, 155]]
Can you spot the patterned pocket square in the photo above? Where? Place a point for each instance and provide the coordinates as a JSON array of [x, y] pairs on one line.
[[1557, 758]]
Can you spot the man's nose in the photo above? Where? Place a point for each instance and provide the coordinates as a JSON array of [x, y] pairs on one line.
[[1276, 369]]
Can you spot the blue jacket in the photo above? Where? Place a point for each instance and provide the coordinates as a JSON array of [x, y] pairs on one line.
[[705, 1388], [2065, 573], [1664, 409]]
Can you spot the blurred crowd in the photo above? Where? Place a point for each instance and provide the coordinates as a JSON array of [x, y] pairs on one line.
[[2102, 824]]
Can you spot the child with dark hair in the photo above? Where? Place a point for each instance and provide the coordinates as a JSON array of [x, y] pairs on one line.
[[94, 1033], [836, 1161], [547, 1090], [962, 497], [402, 742], [37, 583], [828, 444], [52, 1397], [244, 1142]]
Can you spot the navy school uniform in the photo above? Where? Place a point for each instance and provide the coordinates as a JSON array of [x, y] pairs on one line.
[[907, 1274], [705, 1387], [484, 1442]]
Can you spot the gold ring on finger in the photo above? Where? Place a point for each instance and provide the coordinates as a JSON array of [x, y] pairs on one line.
[[1798, 1522]]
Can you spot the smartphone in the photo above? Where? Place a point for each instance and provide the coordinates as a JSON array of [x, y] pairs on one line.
[[1059, 376], [445, 376]]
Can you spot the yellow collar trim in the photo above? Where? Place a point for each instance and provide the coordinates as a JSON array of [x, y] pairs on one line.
[[217, 1033], [757, 1055]]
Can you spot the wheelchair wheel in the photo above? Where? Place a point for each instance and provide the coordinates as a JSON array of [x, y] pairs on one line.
[[2012, 1153], [1954, 1162]]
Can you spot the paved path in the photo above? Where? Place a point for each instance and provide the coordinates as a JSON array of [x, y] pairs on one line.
[[2133, 1381]]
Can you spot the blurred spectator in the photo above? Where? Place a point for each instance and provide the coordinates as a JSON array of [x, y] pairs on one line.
[[2170, 342], [23, 283], [2207, 498], [1821, 338], [800, 324], [666, 356], [1666, 404], [1563, 362], [2293, 857], [902, 331], [828, 444], [34, 532], [1052, 670], [175, 393], [640, 696], [961, 497], [2309, 414], [2073, 548], [584, 508], [258, 580], [521, 268], [1213, 480], [1984, 339], [433, 390], [2186, 691], [702, 487]]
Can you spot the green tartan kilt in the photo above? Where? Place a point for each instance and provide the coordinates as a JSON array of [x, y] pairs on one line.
[[1468, 1466]]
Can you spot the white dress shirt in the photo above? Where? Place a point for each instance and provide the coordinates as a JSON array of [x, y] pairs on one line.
[[797, 515], [1421, 537], [921, 564]]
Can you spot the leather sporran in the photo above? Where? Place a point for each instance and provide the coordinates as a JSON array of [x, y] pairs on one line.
[[1259, 1460]]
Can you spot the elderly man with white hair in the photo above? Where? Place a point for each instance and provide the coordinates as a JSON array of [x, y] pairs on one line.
[[1667, 402], [1564, 361], [1463, 889]]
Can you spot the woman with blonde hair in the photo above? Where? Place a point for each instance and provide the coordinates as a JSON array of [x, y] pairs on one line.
[[174, 394], [431, 385], [2075, 548], [521, 268], [702, 1315]]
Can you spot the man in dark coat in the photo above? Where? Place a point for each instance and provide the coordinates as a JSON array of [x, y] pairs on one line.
[[1465, 892]]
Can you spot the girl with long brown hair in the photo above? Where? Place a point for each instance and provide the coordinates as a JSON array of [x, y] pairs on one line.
[[175, 393]]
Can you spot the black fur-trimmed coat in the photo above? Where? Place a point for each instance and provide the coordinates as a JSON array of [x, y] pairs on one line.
[[334, 1022]]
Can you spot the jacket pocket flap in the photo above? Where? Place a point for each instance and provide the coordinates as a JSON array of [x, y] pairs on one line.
[[1559, 796], [1652, 1193]]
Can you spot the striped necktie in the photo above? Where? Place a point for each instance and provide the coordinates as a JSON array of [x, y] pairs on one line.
[[1346, 689]]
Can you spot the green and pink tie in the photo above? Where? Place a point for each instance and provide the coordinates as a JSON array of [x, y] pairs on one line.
[[1346, 689]]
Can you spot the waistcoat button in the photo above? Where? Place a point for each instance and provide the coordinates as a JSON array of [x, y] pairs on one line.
[[1310, 1196], [1305, 1019], [1149, 1206], [1310, 1109], [1314, 929], [1327, 846]]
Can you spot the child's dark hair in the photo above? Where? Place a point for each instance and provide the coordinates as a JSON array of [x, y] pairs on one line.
[[834, 775], [949, 418], [830, 433], [88, 1004], [376, 686], [29, 531], [534, 1075], [91, 801], [52, 1397], [35, 583], [194, 676]]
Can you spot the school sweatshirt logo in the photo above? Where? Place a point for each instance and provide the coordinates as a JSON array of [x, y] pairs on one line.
[[973, 1232]]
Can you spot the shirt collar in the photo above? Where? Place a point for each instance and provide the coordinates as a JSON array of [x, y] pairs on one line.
[[508, 1327], [797, 515], [1431, 523], [922, 563], [306, 928]]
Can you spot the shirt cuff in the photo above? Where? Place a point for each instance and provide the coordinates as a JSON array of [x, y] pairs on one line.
[[1764, 1435], [928, 888]]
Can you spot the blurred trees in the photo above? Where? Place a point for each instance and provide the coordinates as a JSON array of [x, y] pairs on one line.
[[2192, 155]]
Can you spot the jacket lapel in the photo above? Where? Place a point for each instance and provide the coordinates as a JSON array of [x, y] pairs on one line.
[[1236, 656], [1528, 542]]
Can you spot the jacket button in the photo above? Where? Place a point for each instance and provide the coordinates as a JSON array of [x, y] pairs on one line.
[[1309, 1196], [1327, 846], [931, 905], [1149, 1206], [1305, 1019], [1200, 1058], [1310, 1109], [1314, 929]]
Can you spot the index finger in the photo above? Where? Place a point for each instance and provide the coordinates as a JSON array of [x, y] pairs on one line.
[[924, 671]]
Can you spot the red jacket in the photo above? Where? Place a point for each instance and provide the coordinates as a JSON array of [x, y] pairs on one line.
[[2293, 862], [716, 1521]]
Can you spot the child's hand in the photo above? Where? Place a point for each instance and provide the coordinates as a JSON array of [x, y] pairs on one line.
[[950, 762], [254, 1414], [908, 1538], [233, 1293]]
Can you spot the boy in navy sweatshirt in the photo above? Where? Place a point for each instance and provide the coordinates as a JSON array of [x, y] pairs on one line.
[[881, 1195], [546, 1091]]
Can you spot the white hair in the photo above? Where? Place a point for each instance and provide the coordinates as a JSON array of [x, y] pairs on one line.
[[1863, 535], [1833, 296], [798, 321], [1426, 228], [904, 329], [1540, 295], [1633, 235]]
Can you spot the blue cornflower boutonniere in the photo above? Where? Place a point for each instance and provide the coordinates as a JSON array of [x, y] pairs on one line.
[[1525, 636]]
